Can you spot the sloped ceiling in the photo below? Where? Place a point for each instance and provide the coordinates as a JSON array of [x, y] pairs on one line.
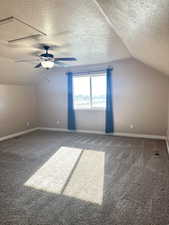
[[93, 31], [143, 26]]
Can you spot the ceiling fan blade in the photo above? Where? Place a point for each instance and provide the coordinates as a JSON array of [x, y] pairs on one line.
[[42, 46], [38, 65], [65, 59], [26, 60], [60, 63], [36, 53]]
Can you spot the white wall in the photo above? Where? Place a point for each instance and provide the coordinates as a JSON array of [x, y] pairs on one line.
[[167, 132], [140, 97], [17, 107]]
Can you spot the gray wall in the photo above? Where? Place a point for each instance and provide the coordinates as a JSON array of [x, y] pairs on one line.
[[167, 133], [140, 97], [17, 107]]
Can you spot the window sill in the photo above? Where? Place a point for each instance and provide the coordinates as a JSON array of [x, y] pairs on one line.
[[90, 109]]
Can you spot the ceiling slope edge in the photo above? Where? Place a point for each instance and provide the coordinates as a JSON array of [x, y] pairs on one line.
[[108, 20], [102, 11]]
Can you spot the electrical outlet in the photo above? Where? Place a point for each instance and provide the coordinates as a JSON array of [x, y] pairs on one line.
[[57, 122], [131, 126], [27, 123]]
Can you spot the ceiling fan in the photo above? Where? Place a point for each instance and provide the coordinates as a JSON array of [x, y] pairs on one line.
[[48, 60]]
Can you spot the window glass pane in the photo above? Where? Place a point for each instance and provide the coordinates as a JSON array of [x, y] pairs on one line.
[[99, 91], [81, 86]]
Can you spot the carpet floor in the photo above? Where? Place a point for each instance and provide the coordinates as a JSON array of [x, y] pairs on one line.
[[57, 178]]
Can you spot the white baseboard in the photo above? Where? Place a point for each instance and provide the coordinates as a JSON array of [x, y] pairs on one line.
[[53, 129], [88, 132], [149, 136], [71, 131], [18, 134], [103, 133], [167, 144]]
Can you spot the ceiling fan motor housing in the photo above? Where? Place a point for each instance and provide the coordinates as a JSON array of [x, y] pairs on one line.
[[47, 56]]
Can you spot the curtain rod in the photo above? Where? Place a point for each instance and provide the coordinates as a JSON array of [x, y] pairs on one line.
[[92, 71]]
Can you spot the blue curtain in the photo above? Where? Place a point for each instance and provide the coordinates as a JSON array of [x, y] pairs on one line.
[[109, 126], [71, 112]]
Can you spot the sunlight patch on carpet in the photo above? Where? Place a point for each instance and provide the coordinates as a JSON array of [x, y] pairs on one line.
[[87, 180], [72, 172], [52, 176]]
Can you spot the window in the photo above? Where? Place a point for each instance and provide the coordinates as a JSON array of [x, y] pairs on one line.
[[89, 91]]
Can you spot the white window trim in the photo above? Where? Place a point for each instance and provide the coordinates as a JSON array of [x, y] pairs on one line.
[[91, 108]]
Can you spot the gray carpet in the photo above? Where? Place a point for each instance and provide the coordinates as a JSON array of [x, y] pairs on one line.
[[55, 178]]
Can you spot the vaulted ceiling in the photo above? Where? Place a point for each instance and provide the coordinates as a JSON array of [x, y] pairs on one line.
[[93, 31], [143, 26]]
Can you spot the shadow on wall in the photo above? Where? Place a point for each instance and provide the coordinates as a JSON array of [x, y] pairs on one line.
[[44, 182]]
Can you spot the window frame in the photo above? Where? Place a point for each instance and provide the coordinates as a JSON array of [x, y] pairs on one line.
[[90, 108]]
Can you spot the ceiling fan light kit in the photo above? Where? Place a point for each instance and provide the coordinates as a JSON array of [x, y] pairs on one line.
[[47, 64]]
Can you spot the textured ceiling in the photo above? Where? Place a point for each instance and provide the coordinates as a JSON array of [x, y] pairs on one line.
[[93, 31], [77, 26], [143, 26]]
